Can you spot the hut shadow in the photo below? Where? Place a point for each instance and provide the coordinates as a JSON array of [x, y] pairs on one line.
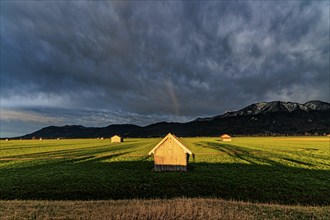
[[241, 153], [251, 157], [75, 153]]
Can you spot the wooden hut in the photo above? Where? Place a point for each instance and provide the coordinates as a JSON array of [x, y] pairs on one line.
[[116, 139], [225, 137], [170, 155]]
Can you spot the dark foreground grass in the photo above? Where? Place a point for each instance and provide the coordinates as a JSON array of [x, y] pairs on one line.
[[254, 170], [178, 208], [93, 179]]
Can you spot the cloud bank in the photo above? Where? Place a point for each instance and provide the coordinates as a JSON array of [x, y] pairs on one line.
[[141, 62]]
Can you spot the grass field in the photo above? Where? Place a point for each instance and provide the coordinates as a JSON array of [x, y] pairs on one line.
[[291, 170]]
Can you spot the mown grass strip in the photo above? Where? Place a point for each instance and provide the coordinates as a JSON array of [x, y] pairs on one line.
[[178, 208]]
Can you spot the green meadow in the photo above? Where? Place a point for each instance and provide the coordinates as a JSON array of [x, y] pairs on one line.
[[281, 170]]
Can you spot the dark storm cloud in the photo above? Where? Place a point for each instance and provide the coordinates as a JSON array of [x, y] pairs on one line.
[[140, 62]]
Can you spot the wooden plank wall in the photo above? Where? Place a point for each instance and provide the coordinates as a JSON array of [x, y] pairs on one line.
[[116, 139], [170, 168], [169, 153]]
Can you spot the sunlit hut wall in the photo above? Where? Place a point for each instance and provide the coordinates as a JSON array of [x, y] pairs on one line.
[[116, 139], [225, 137], [170, 155]]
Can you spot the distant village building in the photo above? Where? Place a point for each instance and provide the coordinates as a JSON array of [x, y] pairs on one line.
[[170, 155], [7, 139], [40, 139], [116, 139], [225, 137]]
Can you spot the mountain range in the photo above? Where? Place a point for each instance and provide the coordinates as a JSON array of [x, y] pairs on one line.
[[263, 118]]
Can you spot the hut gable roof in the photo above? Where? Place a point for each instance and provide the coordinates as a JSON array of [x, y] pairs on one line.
[[225, 136], [173, 137], [115, 136]]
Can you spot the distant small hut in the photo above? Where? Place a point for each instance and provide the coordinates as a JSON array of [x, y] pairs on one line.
[[7, 139], [116, 139], [40, 139], [170, 155], [225, 137]]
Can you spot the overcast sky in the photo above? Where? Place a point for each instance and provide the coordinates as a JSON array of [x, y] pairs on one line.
[[104, 62]]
